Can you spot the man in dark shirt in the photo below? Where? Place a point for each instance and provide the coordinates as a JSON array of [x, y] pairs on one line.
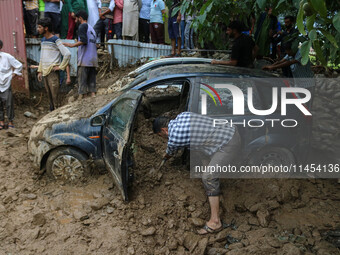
[[242, 50], [87, 55]]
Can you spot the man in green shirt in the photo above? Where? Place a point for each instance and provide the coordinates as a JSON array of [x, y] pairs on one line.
[[74, 7]]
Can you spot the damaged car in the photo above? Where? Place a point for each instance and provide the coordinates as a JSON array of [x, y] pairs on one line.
[[102, 128]]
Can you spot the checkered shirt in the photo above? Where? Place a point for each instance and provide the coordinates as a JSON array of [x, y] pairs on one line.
[[197, 132]]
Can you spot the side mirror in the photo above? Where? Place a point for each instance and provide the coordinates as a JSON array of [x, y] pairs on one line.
[[98, 121]]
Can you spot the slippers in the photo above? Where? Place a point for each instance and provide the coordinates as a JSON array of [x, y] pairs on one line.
[[210, 230], [10, 126], [2, 127]]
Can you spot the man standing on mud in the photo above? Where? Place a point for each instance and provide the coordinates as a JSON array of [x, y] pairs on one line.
[[87, 55], [9, 67], [52, 49], [220, 144]]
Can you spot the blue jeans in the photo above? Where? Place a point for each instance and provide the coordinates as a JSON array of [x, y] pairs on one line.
[[182, 32], [189, 34]]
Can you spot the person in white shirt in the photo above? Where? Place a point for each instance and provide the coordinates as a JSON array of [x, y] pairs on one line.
[[9, 67]]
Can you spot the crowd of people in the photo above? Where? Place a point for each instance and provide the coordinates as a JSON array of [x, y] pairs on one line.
[[113, 19]]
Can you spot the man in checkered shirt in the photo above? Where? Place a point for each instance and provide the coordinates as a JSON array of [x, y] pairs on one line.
[[220, 144]]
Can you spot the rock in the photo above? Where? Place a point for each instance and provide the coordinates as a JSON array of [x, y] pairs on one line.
[[263, 217], [71, 99], [256, 207], [254, 235], [220, 236], [290, 249], [148, 232], [39, 219], [191, 241], [244, 228], [31, 196], [99, 203], [173, 244], [191, 208], [197, 222], [131, 250], [80, 215], [201, 247], [273, 205], [253, 221], [234, 246], [30, 115], [183, 197], [109, 210], [236, 234], [2, 208], [216, 251]]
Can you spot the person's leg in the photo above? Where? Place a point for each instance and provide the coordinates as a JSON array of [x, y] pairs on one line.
[[48, 91], [160, 32], [182, 33], [211, 182], [141, 30], [91, 77], [10, 107], [54, 84], [98, 28], [172, 35], [118, 30], [2, 112], [153, 33], [110, 29], [82, 81], [71, 25], [191, 38], [35, 19], [147, 31], [179, 40]]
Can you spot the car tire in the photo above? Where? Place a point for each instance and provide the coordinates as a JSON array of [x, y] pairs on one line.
[[272, 156], [67, 164]]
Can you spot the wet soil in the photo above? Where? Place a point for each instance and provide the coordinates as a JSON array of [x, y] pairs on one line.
[[265, 216]]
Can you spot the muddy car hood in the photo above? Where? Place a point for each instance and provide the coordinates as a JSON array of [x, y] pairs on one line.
[[68, 125]]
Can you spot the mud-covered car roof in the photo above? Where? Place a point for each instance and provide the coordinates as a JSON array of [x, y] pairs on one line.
[[197, 70], [208, 69]]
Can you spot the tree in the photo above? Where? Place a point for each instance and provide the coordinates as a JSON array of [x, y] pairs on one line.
[[318, 22]]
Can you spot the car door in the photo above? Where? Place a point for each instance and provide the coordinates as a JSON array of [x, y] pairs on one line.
[[115, 137]]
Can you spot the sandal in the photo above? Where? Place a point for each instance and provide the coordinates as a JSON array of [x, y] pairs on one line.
[[2, 127], [171, 56], [210, 230], [10, 126]]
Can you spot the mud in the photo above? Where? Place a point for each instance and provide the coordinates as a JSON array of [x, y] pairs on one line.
[[39, 216]]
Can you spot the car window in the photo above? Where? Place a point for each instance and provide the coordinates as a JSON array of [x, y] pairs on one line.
[[214, 106], [121, 114]]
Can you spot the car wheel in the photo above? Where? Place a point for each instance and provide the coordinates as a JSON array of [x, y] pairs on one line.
[[67, 164], [274, 156]]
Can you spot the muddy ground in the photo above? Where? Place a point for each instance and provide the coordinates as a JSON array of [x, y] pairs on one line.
[[40, 216]]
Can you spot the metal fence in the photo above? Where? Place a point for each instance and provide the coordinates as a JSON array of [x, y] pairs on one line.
[[129, 52]]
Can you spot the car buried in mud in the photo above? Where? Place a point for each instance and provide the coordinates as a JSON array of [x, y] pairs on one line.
[[102, 128]]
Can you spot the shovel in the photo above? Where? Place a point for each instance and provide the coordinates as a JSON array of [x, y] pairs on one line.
[[161, 164]]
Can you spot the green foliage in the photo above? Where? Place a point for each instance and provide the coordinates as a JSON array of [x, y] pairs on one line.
[[317, 20]]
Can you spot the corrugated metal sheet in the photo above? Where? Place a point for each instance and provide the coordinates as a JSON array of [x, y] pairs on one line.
[[33, 49], [12, 35], [129, 52]]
